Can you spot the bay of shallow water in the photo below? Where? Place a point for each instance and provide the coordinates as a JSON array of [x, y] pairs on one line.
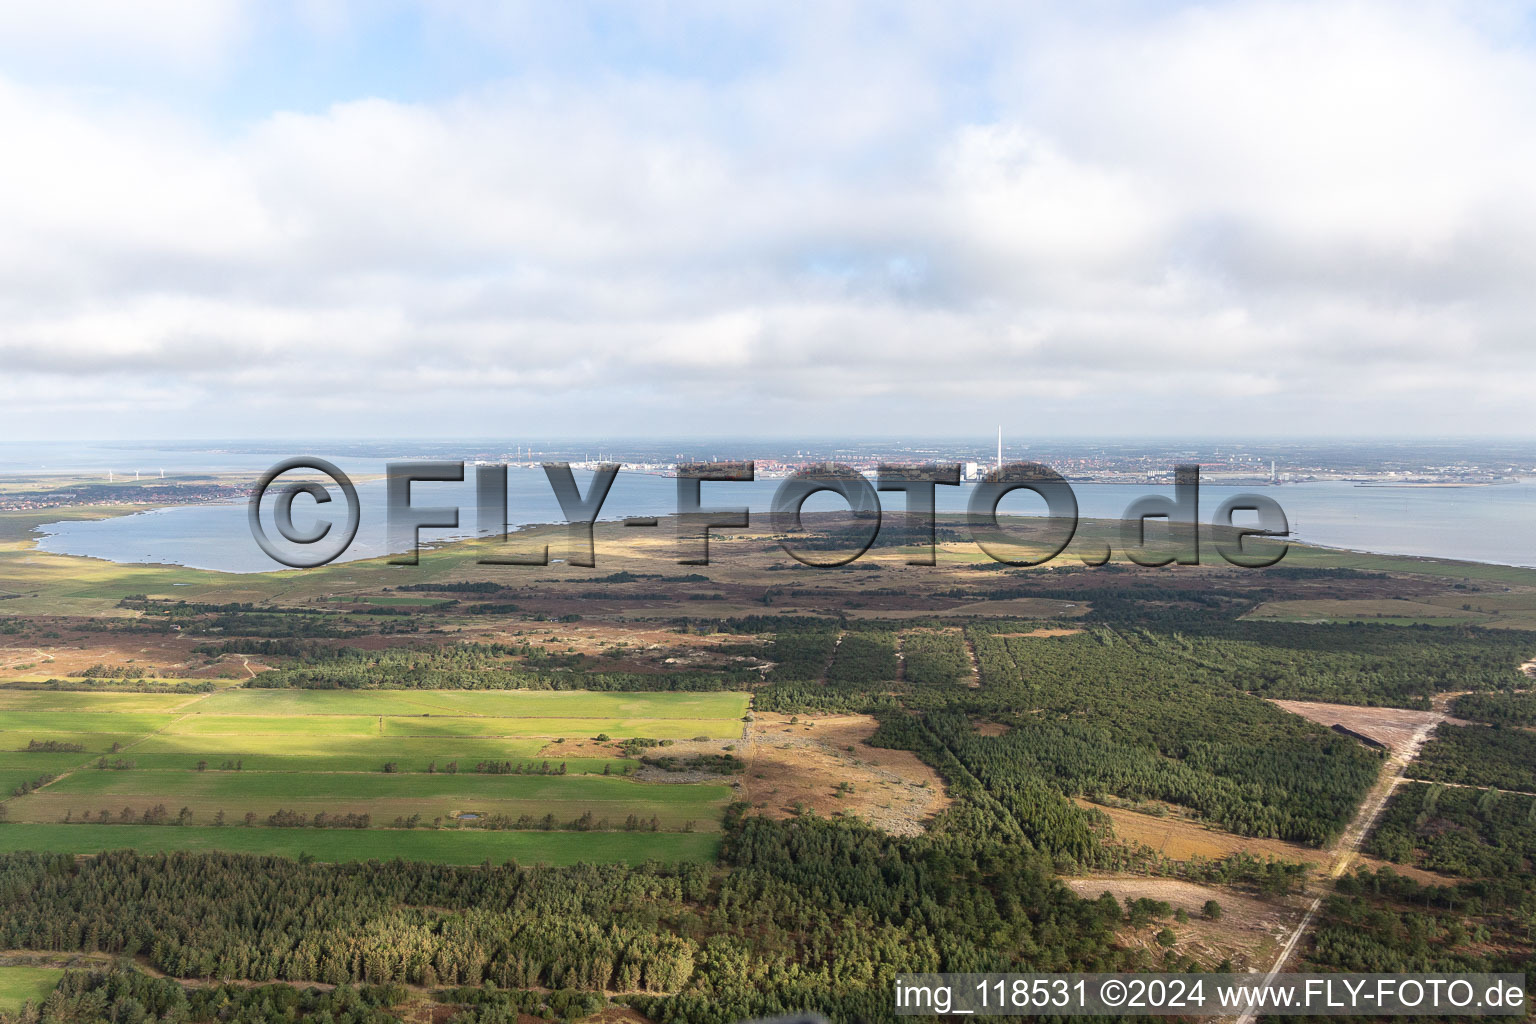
[[1481, 524]]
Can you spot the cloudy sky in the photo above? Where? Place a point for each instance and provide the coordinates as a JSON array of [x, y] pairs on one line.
[[481, 217]]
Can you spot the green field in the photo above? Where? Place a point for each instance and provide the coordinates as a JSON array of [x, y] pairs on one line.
[[384, 796], [83, 721], [240, 701], [20, 985], [618, 728], [93, 742], [486, 703], [445, 846], [245, 719], [424, 753], [96, 703], [320, 751], [272, 725], [16, 769], [361, 753], [482, 703], [258, 727]]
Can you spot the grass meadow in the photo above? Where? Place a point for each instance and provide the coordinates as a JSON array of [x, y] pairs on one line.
[[618, 728], [129, 722], [427, 756], [255, 752], [16, 740], [20, 985], [383, 796], [443, 846], [360, 753], [106, 702], [521, 704]]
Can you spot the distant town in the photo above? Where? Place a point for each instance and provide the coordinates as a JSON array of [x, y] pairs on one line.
[[1270, 463], [1099, 462], [158, 492]]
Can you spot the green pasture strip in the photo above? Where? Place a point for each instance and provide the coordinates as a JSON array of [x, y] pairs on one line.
[[76, 701], [93, 742], [10, 778], [20, 985], [354, 787], [40, 680], [37, 764], [590, 704], [82, 721], [441, 846], [383, 796], [370, 750], [243, 701], [364, 762], [487, 703], [617, 728], [257, 725]]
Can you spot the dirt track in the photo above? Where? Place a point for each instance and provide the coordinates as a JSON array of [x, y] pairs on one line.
[[1394, 728], [1403, 750]]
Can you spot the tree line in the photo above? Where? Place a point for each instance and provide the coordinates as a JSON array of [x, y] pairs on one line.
[[810, 914]]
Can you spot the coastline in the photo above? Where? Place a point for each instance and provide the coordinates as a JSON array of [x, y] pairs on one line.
[[36, 533]]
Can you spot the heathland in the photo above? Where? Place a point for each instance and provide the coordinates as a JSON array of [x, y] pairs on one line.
[[753, 786]]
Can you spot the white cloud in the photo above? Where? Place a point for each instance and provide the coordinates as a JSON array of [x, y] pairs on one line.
[[192, 36], [1254, 208]]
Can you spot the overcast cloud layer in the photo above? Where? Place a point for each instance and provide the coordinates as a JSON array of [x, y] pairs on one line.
[[250, 219]]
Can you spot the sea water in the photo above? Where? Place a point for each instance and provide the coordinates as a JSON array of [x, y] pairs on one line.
[[1489, 523]]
